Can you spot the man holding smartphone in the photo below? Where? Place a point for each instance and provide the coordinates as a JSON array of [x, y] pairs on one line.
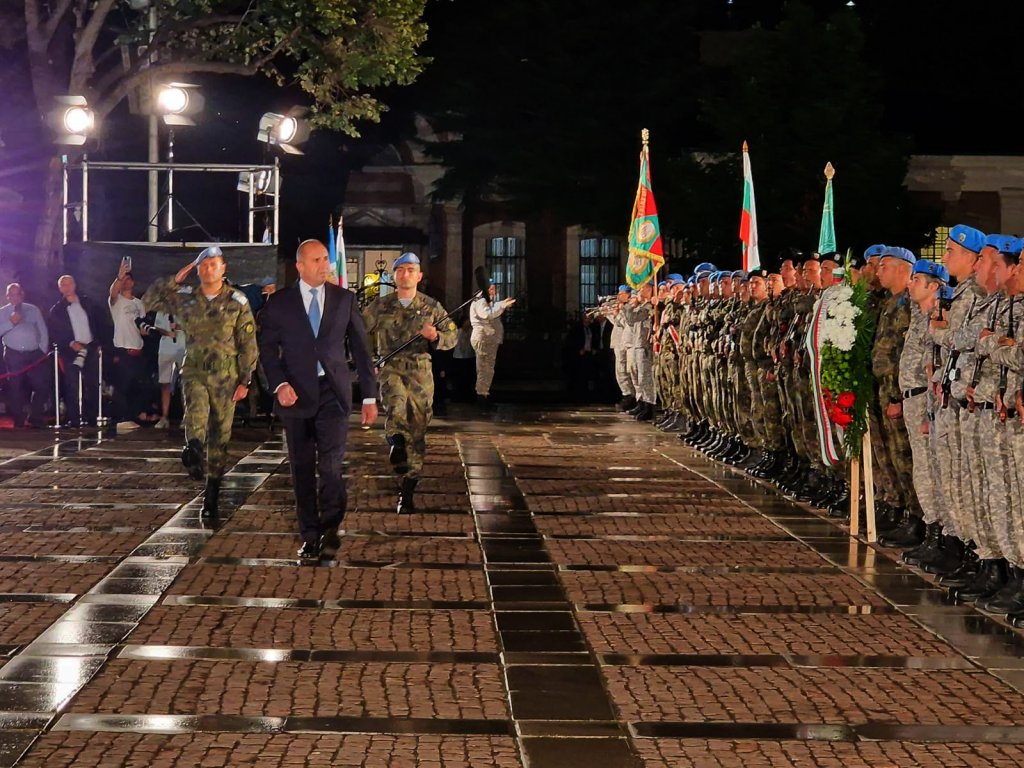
[[126, 310]]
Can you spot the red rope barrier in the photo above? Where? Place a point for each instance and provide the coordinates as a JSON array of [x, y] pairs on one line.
[[40, 361]]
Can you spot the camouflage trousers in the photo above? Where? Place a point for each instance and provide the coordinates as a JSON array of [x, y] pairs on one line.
[[926, 474], [407, 394], [972, 485], [1013, 434], [209, 411], [946, 442], [995, 441], [770, 412], [641, 373], [897, 443], [887, 487], [622, 376], [486, 355]]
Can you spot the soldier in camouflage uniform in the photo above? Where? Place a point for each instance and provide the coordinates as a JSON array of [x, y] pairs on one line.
[[890, 447], [918, 407], [219, 362], [407, 380]]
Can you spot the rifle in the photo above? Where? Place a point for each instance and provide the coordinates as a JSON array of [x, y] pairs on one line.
[[979, 361], [1004, 370], [949, 371]]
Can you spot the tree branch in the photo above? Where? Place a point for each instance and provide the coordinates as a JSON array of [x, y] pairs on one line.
[[50, 28], [87, 40]]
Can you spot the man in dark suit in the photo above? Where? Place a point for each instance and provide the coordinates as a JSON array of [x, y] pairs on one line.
[[79, 328], [302, 335]]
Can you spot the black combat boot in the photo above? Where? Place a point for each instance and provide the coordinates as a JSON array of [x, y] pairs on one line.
[[210, 509], [990, 579], [909, 534], [949, 557], [192, 458], [964, 573], [926, 549], [627, 403], [889, 518], [406, 505], [1009, 597], [399, 456]]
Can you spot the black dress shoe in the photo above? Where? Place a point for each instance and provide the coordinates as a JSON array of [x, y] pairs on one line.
[[330, 540], [310, 550], [398, 456], [192, 459]]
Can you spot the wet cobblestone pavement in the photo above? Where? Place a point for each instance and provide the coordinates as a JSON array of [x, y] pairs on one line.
[[577, 590]]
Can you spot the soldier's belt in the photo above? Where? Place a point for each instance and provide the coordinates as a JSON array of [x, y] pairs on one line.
[[909, 393], [212, 365]]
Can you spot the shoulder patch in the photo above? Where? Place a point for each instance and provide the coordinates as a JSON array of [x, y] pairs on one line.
[[249, 328], [185, 289], [239, 297]]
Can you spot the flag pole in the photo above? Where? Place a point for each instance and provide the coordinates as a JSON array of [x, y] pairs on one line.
[[645, 138]]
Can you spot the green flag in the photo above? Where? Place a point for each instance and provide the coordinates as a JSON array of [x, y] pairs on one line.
[[827, 238]]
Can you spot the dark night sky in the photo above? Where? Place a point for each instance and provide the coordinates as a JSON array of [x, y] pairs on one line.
[[944, 69]]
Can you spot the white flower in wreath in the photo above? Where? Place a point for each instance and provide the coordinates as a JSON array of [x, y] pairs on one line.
[[843, 336], [842, 294]]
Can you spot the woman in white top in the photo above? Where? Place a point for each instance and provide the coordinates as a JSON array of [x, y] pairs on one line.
[[488, 333]]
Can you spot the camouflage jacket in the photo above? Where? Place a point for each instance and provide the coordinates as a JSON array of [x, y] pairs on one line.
[[1012, 357], [917, 352], [893, 321], [389, 325], [748, 333], [221, 331]]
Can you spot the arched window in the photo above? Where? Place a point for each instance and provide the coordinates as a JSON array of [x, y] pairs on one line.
[[506, 264], [600, 268]]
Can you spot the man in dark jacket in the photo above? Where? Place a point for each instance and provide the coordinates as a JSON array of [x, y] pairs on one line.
[[78, 328]]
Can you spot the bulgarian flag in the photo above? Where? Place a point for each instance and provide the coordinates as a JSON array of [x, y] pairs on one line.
[[332, 248], [748, 219], [646, 253], [339, 249], [827, 238]]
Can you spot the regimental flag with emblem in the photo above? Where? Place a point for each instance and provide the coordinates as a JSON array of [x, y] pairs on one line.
[[332, 249], [646, 252], [748, 218], [827, 238]]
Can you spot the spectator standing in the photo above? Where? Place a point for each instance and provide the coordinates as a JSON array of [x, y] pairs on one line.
[[128, 364], [78, 329], [25, 340]]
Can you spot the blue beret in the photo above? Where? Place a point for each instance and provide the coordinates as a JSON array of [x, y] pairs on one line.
[[624, 288], [946, 292], [895, 252], [704, 274], [406, 258], [1004, 243], [691, 280], [874, 250], [209, 253], [970, 238], [664, 284], [705, 266], [932, 269], [675, 277]]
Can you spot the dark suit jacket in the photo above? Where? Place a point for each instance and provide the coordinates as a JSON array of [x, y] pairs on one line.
[[289, 352], [62, 334]]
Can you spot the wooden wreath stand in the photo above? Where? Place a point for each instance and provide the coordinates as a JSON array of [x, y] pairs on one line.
[[869, 490]]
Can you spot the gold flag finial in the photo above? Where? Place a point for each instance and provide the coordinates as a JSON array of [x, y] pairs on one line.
[[829, 171], [745, 147], [645, 136]]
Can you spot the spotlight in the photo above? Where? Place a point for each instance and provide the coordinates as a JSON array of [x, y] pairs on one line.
[[176, 103], [261, 181], [284, 131], [72, 120]]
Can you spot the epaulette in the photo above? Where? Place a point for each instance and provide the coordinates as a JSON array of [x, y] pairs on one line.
[[239, 297], [185, 289]]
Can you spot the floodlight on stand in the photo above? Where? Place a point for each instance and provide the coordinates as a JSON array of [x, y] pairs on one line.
[[72, 120], [176, 103], [261, 181], [284, 131]]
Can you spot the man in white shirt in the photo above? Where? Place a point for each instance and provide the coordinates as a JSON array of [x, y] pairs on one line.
[[488, 333], [128, 365], [78, 328]]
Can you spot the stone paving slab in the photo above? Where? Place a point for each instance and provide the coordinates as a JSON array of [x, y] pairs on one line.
[[721, 554], [250, 519], [718, 590], [259, 750], [296, 689], [52, 543], [673, 753], [382, 549], [331, 583], [669, 503], [354, 629], [22, 623], [58, 517], [188, 490], [836, 696], [50, 577], [692, 525], [79, 481], [801, 634]]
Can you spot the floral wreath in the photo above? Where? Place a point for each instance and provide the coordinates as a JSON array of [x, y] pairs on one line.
[[847, 336]]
